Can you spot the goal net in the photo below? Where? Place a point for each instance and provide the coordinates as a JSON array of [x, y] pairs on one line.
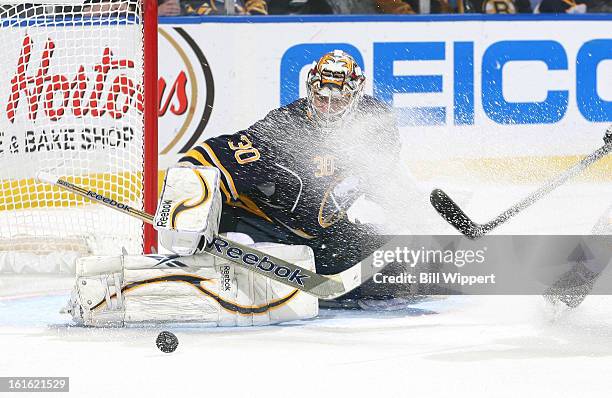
[[73, 102]]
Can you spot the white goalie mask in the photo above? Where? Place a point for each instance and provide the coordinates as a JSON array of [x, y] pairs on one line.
[[334, 86]]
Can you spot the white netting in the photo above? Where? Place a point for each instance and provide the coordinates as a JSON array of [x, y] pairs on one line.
[[71, 78]]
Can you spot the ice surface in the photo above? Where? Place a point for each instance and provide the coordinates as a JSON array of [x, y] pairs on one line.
[[478, 346]]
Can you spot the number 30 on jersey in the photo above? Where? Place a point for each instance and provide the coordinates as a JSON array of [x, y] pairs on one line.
[[244, 151]]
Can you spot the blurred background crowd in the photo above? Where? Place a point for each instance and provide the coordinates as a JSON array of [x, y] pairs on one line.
[[284, 7], [173, 8]]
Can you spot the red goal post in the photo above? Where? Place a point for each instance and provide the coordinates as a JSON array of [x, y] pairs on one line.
[[150, 120]]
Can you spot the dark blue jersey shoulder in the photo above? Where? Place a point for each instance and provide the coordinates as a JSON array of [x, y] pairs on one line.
[[247, 158], [283, 166]]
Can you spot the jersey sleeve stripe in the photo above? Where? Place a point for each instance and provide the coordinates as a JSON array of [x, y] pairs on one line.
[[203, 154], [195, 157], [198, 155], [190, 160], [228, 177]]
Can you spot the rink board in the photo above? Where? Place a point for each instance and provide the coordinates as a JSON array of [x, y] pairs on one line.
[[530, 86]]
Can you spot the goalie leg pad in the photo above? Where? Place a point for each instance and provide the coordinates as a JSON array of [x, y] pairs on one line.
[[200, 288]]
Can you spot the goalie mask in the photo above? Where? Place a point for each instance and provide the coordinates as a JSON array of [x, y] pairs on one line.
[[334, 87]]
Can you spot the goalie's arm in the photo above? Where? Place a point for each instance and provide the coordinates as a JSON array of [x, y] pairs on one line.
[[244, 159]]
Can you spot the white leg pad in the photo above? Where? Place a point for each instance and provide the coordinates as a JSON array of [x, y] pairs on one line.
[[200, 288]]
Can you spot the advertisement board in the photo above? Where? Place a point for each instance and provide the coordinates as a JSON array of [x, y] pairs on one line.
[[516, 86], [523, 87]]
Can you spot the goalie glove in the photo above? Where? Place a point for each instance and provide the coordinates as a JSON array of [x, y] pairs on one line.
[[365, 211], [189, 209], [346, 198]]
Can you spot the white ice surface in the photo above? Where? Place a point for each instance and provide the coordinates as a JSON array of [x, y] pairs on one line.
[[478, 346]]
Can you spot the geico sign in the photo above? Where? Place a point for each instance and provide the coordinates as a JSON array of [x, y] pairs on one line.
[[495, 105]]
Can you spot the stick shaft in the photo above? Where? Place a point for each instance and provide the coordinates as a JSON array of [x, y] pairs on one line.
[[453, 214], [548, 187], [321, 286], [113, 204]]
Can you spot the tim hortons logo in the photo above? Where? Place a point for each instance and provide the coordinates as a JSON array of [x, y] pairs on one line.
[[177, 90], [58, 94], [186, 105]]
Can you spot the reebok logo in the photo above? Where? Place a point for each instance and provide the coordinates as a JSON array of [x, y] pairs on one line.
[[103, 199], [164, 214], [226, 281], [223, 247]]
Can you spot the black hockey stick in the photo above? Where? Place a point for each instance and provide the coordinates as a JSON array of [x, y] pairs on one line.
[[320, 286], [458, 219]]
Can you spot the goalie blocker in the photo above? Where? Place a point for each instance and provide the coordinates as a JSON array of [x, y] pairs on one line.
[[120, 290], [189, 209]]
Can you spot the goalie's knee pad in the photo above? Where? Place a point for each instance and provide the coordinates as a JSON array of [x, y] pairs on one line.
[[113, 291]]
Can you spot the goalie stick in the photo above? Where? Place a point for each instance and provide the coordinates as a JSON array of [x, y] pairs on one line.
[[321, 286], [458, 219]]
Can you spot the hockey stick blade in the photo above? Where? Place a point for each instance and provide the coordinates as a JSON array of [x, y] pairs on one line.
[[458, 219], [452, 213]]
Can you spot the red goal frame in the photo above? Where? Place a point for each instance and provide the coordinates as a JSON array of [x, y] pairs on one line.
[[150, 174]]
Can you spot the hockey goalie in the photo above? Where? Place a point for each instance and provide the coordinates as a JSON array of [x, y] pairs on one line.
[[312, 184]]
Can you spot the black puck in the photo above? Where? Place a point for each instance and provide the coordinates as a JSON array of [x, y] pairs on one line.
[[166, 342]]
